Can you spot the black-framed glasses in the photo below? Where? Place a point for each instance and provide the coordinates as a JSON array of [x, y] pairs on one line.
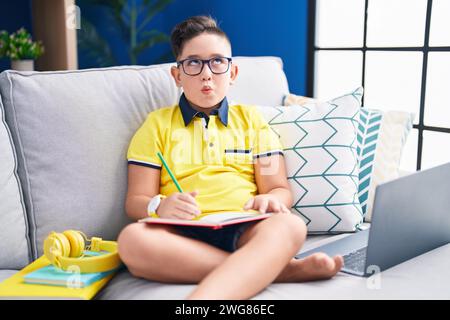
[[193, 66]]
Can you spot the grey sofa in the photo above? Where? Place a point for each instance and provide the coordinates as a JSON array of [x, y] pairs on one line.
[[63, 142]]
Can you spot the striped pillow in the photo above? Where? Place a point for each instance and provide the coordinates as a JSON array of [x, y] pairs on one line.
[[381, 138]]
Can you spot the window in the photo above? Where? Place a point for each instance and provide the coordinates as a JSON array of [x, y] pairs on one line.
[[399, 51]]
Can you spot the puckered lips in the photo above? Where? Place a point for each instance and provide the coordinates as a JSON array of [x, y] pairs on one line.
[[206, 89]]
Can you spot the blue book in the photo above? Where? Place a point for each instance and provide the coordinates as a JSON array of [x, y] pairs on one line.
[[50, 275]]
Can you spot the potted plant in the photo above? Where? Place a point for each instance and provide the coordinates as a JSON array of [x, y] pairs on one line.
[[20, 49]]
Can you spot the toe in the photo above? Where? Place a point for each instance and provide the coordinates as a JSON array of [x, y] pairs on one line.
[[324, 263], [338, 263]]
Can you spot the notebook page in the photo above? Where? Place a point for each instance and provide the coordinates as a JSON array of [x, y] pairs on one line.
[[226, 216]]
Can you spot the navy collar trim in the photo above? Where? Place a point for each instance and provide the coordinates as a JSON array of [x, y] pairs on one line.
[[189, 113]]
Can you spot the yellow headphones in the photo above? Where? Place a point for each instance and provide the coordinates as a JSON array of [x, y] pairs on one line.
[[66, 249]]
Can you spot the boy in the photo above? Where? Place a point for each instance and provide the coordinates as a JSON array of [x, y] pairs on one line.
[[229, 160]]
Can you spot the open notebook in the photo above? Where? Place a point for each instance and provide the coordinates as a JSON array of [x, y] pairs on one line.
[[212, 220]]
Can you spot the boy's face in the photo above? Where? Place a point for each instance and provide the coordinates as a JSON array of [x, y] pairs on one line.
[[205, 90]]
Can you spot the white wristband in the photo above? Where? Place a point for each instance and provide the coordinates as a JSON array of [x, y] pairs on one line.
[[154, 204]]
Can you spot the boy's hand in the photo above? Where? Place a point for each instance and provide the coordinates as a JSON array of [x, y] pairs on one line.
[[179, 206], [266, 203]]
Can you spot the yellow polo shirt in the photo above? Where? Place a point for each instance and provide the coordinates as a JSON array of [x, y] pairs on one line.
[[213, 155]]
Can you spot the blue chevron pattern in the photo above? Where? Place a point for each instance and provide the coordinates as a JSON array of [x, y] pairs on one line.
[[368, 129], [320, 146]]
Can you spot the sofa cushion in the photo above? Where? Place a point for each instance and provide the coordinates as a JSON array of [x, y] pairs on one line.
[[381, 138], [260, 81], [6, 273], [72, 130], [125, 286], [14, 245], [319, 141], [423, 277]]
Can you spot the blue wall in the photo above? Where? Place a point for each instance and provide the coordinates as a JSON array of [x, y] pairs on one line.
[[13, 16], [255, 28]]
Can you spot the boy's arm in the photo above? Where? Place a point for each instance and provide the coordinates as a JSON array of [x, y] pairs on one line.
[[273, 187], [143, 184]]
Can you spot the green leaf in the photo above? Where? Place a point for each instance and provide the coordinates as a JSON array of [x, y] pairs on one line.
[[19, 45], [153, 37], [154, 7], [94, 46], [115, 10]]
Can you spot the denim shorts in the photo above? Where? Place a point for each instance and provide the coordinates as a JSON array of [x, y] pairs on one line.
[[225, 238]]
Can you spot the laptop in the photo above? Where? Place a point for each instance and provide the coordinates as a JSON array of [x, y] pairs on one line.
[[411, 215]]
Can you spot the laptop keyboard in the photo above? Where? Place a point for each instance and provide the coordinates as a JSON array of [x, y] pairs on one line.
[[356, 260]]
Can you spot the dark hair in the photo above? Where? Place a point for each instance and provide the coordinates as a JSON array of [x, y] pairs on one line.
[[190, 28]]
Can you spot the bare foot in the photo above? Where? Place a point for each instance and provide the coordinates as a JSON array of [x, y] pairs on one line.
[[317, 266]]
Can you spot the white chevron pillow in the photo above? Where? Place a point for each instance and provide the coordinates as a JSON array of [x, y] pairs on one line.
[[381, 139], [320, 147]]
